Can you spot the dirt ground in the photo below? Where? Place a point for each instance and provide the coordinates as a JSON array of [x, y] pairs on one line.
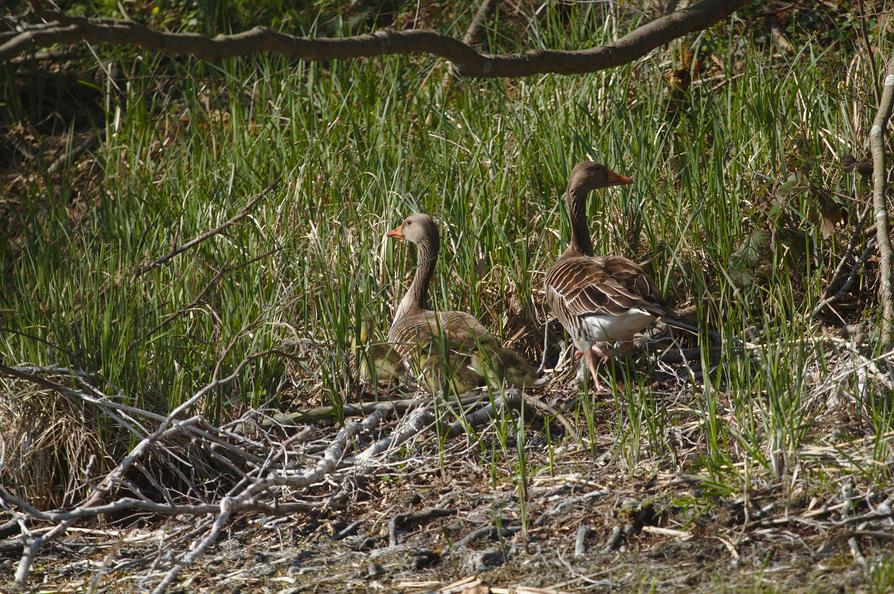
[[586, 524]]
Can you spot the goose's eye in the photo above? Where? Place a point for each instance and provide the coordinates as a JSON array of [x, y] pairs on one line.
[[408, 222]]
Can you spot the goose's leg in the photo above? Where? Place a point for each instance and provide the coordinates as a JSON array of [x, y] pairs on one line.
[[582, 368], [542, 368], [595, 356]]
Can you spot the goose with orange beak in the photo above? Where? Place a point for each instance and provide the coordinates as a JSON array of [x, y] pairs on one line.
[[599, 300], [447, 347]]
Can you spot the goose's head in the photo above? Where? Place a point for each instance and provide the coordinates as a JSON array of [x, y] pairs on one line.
[[590, 175], [417, 228]]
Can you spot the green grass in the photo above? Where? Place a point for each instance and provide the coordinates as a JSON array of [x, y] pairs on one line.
[[361, 144]]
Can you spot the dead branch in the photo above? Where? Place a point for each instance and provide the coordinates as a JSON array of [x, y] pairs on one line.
[[307, 477], [63, 29], [94, 138], [401, 522], [165, 509], [127, 414], [211, 232], [614, 540], [114, 477], [567, 502], [880, 206], [7, 528], [319, 413], [475, 32], [884, 535], [415, 424], [331, 462], [226, 509], [347, 530], [488, 532], [580, 540], [473, 37], [847, 494], [546, 409], [509, 399], [255, 489]]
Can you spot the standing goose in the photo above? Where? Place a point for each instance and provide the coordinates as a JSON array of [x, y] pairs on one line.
[[603, 299], [453, 340]]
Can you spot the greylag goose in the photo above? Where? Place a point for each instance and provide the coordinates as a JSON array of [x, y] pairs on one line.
[[451, 341], [597, 300]]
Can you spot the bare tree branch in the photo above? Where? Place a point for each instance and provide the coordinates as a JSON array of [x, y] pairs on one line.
[[211, 232], [130, 504], [879, 182], [62, 29], [475, 32]]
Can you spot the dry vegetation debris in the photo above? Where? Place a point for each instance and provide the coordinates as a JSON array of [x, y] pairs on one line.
[[411, 495]]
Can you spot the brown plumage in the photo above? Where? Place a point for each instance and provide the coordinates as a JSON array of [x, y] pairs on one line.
[[451, 341], [597, 299]]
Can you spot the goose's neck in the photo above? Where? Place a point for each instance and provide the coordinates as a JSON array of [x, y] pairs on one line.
[[576, 201], [416, 298]]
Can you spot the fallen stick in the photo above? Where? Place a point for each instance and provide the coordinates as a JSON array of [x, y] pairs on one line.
[[226, 509], [489, 532], [580, 540], [511, 398], [307, 477], [569, 501], [258, 480], [546, 409], [614, 540], [401, 522], [320, 413], [211, 232], [94, 138], [131, 504]]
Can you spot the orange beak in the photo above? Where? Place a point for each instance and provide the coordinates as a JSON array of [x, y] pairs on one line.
[[616, 179], [396, 233]]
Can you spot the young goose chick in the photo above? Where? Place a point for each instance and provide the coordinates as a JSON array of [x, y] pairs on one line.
[[378, 363], [432, 337], [501, 366], [603, 299], [442, 369]]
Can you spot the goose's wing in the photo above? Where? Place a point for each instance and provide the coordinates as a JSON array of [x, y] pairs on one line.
[[460, 330], [608, 286]]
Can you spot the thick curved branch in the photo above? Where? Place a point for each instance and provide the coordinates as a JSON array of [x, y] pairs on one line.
[[467, 60]]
